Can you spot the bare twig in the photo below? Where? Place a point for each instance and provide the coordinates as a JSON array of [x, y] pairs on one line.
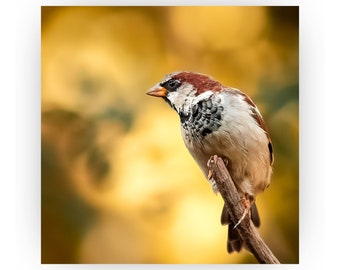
[[246, 228]]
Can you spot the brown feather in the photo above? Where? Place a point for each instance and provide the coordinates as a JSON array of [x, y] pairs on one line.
[[234, 241], [225, 219], [200, 82]]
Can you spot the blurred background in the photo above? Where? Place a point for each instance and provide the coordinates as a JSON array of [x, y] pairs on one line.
[[118, 185]]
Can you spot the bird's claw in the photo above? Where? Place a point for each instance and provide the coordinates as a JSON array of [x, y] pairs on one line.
[[246, 203]]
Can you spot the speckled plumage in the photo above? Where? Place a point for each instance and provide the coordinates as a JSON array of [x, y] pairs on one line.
[[203, 119]]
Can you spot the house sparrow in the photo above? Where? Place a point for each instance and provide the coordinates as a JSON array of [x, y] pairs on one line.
[[222, 121]]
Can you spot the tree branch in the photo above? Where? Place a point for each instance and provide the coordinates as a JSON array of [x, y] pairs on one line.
[[246, 228]]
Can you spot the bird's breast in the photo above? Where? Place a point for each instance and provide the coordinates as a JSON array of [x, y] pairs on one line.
[[201, 120]]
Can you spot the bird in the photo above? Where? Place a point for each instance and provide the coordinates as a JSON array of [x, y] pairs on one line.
[[223, 121]]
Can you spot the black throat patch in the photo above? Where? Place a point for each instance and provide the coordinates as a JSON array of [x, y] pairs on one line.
[[203, 119]]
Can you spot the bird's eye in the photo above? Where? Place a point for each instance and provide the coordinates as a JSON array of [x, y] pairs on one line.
[[171, 85]]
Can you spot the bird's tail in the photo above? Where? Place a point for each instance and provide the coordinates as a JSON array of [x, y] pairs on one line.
[[235, 242]]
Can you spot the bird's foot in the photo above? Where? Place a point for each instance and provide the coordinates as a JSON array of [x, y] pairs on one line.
[[247, 205], [210, 177]]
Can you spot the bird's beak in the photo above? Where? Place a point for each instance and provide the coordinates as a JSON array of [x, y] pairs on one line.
[[158, 91]]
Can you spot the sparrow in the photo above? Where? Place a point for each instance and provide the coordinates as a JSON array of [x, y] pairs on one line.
[[223, 121]]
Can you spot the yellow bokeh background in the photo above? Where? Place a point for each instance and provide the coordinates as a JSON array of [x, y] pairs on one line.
[[118, 185]]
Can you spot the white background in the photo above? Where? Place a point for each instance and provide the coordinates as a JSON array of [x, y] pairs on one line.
[[20, 134]]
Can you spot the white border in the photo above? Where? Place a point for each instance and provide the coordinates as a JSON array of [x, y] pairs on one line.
[[318, 191]]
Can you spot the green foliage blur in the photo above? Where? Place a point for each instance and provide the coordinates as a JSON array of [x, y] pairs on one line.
[[118, 185]]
